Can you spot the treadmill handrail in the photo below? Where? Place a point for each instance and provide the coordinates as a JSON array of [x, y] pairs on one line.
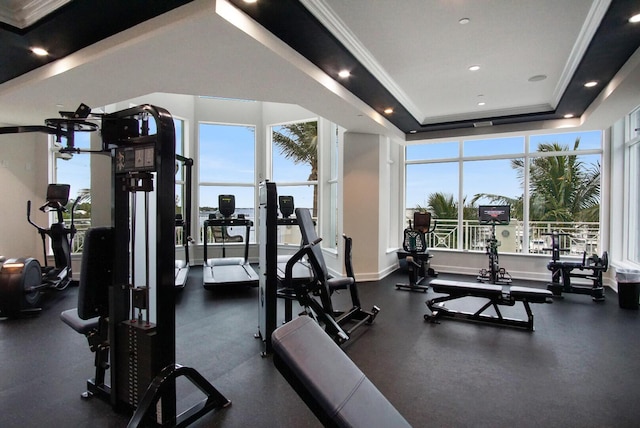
[[228, 222]]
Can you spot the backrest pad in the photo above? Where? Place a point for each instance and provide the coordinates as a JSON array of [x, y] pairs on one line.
[[96, 272]]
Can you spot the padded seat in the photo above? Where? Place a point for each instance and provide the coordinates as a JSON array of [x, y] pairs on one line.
[[533, 295], [70, 317], [333, 387], [459, 288]]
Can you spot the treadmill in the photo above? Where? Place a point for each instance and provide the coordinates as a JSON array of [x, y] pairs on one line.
[[302, 269], [225, 271], [182, 266]]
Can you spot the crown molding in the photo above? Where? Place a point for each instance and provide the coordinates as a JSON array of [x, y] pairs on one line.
[[531, 109], [24, 13], [327, 17]]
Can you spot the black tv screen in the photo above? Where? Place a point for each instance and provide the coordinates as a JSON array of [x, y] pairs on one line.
[[500, 214], [58, 193]]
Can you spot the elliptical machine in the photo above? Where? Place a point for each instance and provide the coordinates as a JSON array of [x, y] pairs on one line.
[[23, 280]]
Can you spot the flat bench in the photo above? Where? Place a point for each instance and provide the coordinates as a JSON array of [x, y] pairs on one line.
[[497, 295], [333, 387]]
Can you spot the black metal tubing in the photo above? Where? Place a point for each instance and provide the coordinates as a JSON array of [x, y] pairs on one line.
[[119, 134], [224, 222], [268, 249], [438, 310], [162, 384], [188, 183], [495, 295]]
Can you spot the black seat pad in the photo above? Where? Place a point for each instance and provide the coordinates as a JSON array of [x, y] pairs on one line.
[[533, 295], [70, 317], [346, 397], [489, 291]]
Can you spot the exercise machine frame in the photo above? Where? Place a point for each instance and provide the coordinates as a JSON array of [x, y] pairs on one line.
[[493, 215], [495, 296], [184, 221], [338, 324], [142, 364], [232, 270], [416, 252], [563, 271], [23, 280]]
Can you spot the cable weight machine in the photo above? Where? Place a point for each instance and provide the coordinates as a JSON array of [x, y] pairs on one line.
[[143, 362], [137, 328]]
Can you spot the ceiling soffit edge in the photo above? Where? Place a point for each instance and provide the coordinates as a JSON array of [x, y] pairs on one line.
[[489, 114], [592, 22], [339, 29]]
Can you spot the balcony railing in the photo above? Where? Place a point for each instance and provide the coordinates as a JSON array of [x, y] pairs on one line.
[[582, 236]]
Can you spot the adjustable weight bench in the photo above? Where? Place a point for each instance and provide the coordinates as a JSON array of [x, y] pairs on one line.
[[333, 387], [496, 296]]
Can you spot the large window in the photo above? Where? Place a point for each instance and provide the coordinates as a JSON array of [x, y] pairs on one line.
[[433, 187], [551, 182], [633, 196], [180, 178], [75, 170], [331, 210], [294, 166], [226, 166]]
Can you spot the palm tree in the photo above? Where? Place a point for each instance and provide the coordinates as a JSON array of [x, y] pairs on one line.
[[444, 206], [562, 188], [299, 142]]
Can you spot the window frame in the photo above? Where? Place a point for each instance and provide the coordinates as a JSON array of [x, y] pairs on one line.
[[526, 155]]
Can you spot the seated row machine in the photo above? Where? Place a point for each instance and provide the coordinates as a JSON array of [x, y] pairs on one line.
[[338, 324], [416, 252], [563, 271]]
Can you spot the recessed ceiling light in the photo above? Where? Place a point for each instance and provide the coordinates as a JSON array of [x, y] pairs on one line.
[[481, 103], [250, 1], [537, 78], [413, 131], [590, 84], [344, 74], [635, 18], [388, 110], [568, 116], [474, 68], [464, 21], [39, 51]]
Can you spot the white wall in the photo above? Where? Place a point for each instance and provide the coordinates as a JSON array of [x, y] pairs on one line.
[[365, 204], [23, 174]]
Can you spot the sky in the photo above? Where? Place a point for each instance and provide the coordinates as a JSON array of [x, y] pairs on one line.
[[227, 155], [494, 176]]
